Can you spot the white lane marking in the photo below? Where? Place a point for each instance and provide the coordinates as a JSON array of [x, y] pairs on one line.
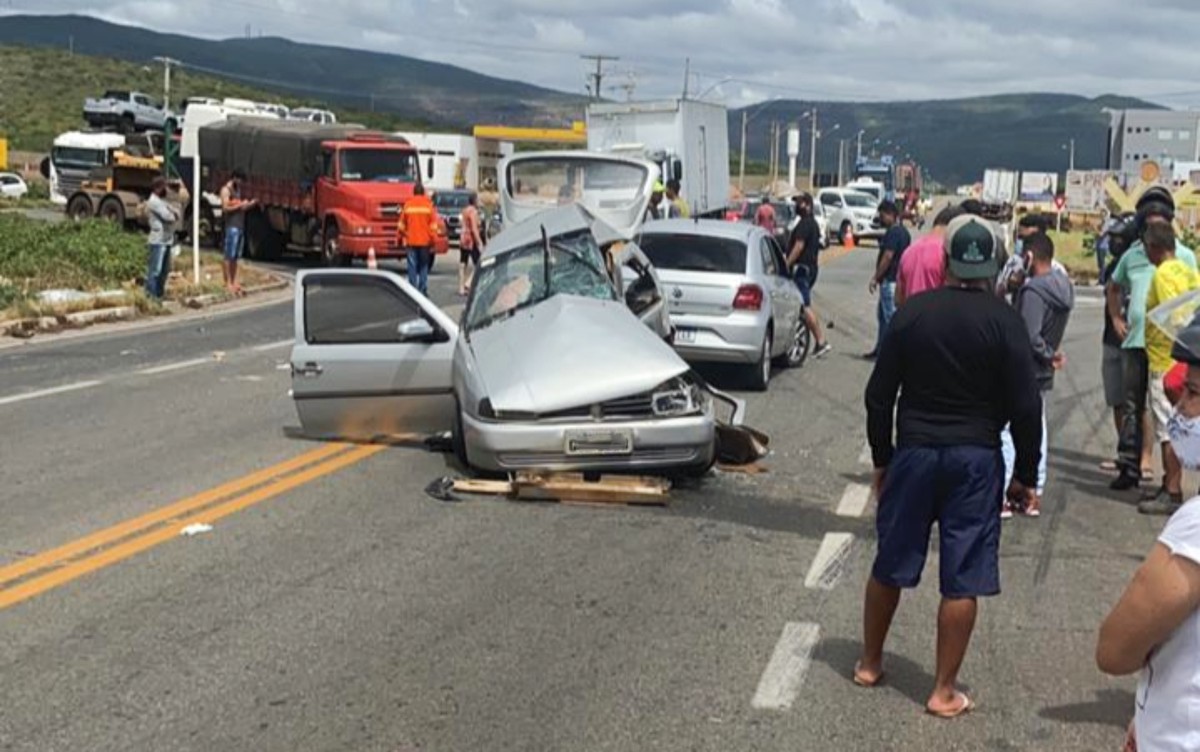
[[47, 392], [784, 674], [829, 563], [175, 366], [854, 500], [272, 345], [864, 457]]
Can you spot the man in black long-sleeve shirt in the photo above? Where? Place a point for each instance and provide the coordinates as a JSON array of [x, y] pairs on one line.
[[960, 360]]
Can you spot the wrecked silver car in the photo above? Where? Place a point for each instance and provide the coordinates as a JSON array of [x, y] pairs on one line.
[[547, 368]]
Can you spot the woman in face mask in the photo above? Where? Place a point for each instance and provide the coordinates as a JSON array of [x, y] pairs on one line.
[[1155, 627]]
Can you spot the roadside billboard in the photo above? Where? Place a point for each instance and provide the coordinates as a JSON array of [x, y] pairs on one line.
[[1039, 187], [1085, 190]]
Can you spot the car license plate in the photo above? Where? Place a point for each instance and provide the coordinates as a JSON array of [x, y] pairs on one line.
[[592, 443], [685, 336]]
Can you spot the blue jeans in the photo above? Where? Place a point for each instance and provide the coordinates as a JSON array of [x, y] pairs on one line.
[[885, 310], [417, 265], [1010, 452], [233, 243], [157, 269]]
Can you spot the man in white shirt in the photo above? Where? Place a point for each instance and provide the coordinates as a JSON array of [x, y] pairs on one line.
[[1155, 627]]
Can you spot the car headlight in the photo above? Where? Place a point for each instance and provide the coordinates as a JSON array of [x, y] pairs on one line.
[[676, 397]]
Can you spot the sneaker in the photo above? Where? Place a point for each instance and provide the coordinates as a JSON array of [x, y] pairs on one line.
[[1006, 510], [1151, 494], [823, 350], [1125, 481], [1163, 505]]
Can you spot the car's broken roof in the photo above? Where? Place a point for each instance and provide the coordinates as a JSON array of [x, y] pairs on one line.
[[562, 220]]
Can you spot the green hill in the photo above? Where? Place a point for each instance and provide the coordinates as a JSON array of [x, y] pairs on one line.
[[955, 139], [413, 88], [42, 93]]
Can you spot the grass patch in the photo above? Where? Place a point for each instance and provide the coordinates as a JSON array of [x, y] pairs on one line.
[[1077, 252], [88, 256]]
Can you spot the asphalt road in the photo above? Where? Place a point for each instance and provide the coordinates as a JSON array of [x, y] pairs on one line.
[[343, 609]]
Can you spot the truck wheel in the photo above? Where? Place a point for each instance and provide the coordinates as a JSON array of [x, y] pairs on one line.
[[262, 242], [80, 208], [112, 210], [128, 124], [329, 247]]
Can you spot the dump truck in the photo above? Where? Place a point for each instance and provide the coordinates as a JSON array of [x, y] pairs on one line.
[[118, 190], [336, 191]]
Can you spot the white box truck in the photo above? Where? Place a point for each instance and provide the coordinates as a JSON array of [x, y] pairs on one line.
[[688, 140], [452, 161], [999, 187]]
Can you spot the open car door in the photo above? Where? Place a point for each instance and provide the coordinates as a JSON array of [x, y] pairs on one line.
[[640, 287], [372, 359]]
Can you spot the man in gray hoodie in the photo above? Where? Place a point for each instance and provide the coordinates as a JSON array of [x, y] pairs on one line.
[[1044, 301]]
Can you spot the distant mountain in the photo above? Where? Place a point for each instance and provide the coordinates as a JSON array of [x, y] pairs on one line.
[[417, 89], [955, 139]]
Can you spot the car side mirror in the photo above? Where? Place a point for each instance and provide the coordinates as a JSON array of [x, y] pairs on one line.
[[429, 168], [417, 330]]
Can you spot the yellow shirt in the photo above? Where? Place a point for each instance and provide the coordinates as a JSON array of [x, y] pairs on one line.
[[1171, 279]]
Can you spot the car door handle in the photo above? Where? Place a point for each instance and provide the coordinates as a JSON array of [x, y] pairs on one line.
[[308, 370]]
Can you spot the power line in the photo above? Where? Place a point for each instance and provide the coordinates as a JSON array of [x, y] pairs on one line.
[[597, 78]]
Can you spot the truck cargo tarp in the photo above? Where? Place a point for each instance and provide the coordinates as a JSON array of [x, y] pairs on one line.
[[279, 149]]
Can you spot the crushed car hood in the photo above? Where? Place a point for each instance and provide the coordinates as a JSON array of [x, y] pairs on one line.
[[569, 352]]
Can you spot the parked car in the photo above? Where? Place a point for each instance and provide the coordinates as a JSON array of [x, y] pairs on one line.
[[731, 297], [129, 111], [547, 368], [449, 205], [850, 211], [12, 185], [325, 117]]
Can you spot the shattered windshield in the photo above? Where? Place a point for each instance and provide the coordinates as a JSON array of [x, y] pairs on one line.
[[511, 281]]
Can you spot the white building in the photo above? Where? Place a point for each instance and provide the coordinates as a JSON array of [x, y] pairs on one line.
[[1163, 137]]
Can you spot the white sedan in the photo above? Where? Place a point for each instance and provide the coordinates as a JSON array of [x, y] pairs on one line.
[[12, 186]]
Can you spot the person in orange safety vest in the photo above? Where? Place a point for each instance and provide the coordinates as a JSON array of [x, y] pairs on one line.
[[419, 225]]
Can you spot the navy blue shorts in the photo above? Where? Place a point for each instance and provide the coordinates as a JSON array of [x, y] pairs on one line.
[[961, 489], [806, 280]]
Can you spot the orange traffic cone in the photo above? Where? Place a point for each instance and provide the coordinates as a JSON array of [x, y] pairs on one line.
[[848, 239], [371, 262]]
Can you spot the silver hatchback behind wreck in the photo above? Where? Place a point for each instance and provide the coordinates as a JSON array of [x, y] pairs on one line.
[[561, 359]]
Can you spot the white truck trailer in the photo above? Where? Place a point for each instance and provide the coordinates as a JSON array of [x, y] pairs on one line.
[[687, 139], [452, 161]]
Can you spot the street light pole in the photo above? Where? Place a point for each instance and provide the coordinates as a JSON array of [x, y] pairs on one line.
[[167, 63], [812, 158], [858, 154], [1072, 155], [742, 164]]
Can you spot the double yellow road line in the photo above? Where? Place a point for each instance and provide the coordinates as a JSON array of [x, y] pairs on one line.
[[36, 574]]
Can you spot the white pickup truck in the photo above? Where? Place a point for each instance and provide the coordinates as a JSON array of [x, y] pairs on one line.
[[129, 111]]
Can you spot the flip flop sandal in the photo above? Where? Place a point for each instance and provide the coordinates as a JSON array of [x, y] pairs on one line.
[[965, 706], [863, 682], [1109, 465]]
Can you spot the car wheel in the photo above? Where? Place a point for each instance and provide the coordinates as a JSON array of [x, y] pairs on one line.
[[760, 371], [458, 439], [799, 346], [128, 124]]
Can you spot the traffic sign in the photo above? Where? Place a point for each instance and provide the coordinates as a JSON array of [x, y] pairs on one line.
[[1060, 201]]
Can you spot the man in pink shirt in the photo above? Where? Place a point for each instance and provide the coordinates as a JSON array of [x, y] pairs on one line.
[[923, 265], [765, 216]]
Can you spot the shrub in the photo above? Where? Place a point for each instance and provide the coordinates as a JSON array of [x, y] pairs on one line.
[[93, 255]]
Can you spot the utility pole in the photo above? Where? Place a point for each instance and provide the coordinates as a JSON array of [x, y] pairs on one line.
[[1072, 162], [687, 73], [742, 163], [167, 63], [858, 153], [812, 158], [598, 77], [841, 161]]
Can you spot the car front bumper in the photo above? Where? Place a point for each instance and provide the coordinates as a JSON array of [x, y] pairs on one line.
[[736, 338], [657, 444]]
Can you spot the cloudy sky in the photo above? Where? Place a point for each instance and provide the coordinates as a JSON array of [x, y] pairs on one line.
[[740, 50]]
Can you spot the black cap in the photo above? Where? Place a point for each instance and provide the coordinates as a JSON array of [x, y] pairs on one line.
[[889, 207], [972, 206], [972, 249]]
